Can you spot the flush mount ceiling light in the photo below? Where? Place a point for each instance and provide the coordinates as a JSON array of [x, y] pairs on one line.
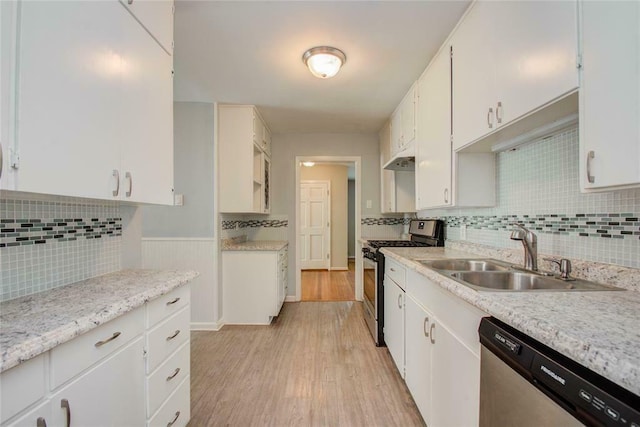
[[308, 164], [324, 61]]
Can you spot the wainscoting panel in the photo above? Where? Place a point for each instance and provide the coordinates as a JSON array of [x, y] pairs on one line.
[[189, 254]]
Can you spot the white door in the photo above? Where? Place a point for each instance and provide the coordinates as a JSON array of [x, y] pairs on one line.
[[394, 322], [314, 225]]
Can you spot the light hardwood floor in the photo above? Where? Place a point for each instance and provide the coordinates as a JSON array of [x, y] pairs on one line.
[[316, 365], [325, 285]]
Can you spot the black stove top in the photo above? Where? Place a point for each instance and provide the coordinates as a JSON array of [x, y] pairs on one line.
[[375, 244]]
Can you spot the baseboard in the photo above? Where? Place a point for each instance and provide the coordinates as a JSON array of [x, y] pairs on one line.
[[206, 326], [290, 298]]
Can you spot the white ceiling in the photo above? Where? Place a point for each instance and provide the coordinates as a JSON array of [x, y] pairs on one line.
[[246, 52]]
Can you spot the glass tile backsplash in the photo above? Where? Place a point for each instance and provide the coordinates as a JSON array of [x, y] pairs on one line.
[[46, 244]]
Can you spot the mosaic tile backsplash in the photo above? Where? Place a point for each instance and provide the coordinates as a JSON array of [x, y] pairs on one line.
[[537, 185], [46, 244]]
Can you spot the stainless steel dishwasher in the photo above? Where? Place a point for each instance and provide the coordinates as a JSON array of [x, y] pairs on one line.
[[525, 383]]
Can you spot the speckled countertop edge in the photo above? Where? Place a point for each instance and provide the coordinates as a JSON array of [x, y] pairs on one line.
[[32, 325], [596, 329], [255, 245]]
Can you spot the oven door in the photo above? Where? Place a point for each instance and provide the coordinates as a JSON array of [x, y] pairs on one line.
[[370, 278]]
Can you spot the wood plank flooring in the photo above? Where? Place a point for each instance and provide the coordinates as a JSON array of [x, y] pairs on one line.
[[316, 365], [325, 285]]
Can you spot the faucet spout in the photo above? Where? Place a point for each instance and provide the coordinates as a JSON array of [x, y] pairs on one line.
[[530, 243]]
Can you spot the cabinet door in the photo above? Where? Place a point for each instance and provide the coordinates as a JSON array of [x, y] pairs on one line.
[[455, 382], [110, 394], [610, 94], [33, 417], [408, 117], [396, 132], [68, 97], [7, 67], [433, 145], [535, 55], [473, 73], [394, 322], [147, 118], [418, 357], [157, 18], [387, 177]]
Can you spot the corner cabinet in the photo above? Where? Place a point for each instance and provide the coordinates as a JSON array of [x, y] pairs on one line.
[[244, 160], [93, 104], [254, 285], [403, 122], [610, 95]]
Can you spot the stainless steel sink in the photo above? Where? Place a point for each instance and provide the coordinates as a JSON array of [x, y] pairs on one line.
[[465, 265], [496, 276], [521, 281]]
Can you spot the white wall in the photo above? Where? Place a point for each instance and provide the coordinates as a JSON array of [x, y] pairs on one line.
[[337, 176], [285, 148]]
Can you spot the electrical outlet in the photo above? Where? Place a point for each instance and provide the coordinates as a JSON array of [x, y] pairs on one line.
[[463, 232], [178, 200], [369, 204]]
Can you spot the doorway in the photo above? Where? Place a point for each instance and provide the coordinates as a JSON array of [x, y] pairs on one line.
[[341, 278]]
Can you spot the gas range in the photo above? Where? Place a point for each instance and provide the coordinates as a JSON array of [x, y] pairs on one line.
[[429, 232]]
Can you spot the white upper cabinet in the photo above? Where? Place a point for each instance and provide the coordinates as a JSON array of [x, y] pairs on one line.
[[93, 105], [387, 177], [610, 95], [433, 144], [156, 16], [509, 60], [403, 122]]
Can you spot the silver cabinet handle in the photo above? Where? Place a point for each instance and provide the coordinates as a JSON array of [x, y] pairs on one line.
[[172, 376], [175, 334], [41, 422], [446, 195], [64, 403], [174, 301], [424, 327], [489, 118], [128, 177], [116, 175], [400, 301], [431, 336], [392, 269], [172, 422], [590, 177], [111, 338], [499, 112]]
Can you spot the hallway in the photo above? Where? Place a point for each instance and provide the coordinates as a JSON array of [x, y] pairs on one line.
[[329, 285], [316, 365]]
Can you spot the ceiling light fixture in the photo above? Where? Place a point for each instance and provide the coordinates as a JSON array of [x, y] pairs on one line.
[[324, 61], [308, 164]]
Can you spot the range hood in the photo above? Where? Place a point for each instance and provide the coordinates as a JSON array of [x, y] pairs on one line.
[[404, 160]]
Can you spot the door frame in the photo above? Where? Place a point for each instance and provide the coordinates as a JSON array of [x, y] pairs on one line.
[[357, 161], [327, 230]]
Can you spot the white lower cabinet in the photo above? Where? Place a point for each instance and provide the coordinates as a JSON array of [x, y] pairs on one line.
[[110, 394], [254, 285], [99, 378], [439, 348]]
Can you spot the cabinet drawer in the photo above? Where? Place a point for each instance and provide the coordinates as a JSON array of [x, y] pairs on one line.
[[73, 357], [461, 318], [167, 337], [167, 305], [395, 271], [176, 410], [167, 377], [21, 386]]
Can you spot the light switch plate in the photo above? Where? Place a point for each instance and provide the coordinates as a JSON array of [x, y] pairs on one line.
[[178, 199]]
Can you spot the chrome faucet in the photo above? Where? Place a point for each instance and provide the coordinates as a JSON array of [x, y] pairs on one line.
[[530, 243]]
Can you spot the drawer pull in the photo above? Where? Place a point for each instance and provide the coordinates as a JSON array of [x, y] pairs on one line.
[[174, 301], [172, 376], [392, 269], [64, 403], [111, 338], [175, 334], [41, 422], [174, 419]]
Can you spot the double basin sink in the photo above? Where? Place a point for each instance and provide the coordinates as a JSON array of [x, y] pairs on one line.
[[493, 275]]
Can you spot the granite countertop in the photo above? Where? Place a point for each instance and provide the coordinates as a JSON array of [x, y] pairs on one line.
[[255, 245], [596, 329], [36, 323]]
